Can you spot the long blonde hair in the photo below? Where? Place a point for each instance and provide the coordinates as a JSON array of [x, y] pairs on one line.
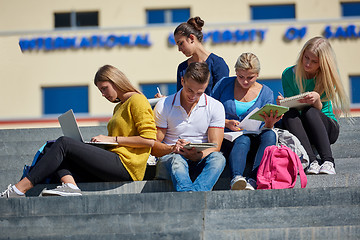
[[327, 77], [114, 75]]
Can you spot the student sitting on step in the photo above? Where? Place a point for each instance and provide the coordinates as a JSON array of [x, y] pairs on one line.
[[315, 72], [190, 116], [132, 126], [240, 95]]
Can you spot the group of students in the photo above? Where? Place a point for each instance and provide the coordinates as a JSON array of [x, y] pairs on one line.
[[207, 103]]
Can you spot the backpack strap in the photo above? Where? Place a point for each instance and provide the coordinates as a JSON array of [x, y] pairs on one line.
[[297, 163], [264, 170]]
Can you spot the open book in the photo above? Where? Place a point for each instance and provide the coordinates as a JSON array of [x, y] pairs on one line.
[[248, 126], [231, 136], [267, 108], [200, 146], [292, 102]]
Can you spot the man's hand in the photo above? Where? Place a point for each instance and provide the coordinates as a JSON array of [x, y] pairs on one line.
[[191, 154]]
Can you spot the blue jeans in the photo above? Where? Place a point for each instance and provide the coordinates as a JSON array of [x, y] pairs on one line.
[[239, 152], [187, 175]]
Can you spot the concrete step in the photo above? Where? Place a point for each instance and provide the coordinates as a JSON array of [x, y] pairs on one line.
[[348, 174], [303, 233], [44, 134], [99, 188], [346, 146], [349, 232], [206, 215]]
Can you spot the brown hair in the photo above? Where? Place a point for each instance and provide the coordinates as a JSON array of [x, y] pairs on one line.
[[198, 71], [192, 26]]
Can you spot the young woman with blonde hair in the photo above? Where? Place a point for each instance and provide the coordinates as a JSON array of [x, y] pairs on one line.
[[316, 72], [240, 95], [132, 126]]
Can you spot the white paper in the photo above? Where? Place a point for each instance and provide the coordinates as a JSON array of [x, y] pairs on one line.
[[250, 124]]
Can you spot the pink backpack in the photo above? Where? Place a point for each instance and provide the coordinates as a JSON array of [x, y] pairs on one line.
[[279, 168]]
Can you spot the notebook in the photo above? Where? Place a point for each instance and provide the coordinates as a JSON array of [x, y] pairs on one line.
[[71, 129], [200, 146], [266, 108], [292, 102]]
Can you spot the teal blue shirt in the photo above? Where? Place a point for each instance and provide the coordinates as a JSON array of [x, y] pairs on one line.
[[291, 89], [243, 107]]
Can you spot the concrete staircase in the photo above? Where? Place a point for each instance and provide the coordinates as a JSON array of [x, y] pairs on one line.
[[329, 208]]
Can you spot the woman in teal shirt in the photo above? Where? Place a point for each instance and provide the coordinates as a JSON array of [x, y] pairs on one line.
[[315, 126]]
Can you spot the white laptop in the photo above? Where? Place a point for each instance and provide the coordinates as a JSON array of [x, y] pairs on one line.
[[71, 129]]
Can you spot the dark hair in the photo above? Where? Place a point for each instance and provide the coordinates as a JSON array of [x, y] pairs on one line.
[[198, 71], [192, 26]]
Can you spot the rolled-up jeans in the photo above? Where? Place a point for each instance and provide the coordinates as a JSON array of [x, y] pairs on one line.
[[188, 175]]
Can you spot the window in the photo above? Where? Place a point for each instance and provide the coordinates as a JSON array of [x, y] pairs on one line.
[[58, 100], [355, 89], [350, 9], [274, 84], [76, 19], [264, 12], [150, 90], [159, 16]]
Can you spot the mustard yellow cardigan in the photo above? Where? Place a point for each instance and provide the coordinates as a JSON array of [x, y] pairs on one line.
[[134, 117]]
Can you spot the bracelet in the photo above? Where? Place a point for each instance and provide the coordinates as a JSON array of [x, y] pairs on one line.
[[116, 139]]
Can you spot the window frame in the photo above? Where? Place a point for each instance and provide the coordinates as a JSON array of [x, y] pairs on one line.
[[261, 8], [350, 6], [59, 99], [74, 19], [168, 15]]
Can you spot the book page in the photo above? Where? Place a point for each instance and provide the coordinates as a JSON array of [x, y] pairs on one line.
[[231, 136], [250, 124], [267, 108], [292, 102]]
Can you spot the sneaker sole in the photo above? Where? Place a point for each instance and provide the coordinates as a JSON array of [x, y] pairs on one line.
[[62, 194], [312, 172], [239, 185], [326, 172], [250, 188]]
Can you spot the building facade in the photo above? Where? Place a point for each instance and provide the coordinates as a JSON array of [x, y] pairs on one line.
[[50, 50]]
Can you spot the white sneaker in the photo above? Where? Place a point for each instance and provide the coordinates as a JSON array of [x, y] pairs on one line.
[[314, 168], [63, 190], [249, 187], [238, 183], [327, 168], [10, 193], [251, 184]]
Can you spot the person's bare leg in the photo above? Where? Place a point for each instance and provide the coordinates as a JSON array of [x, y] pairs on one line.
[[68, 179], [24, 185]]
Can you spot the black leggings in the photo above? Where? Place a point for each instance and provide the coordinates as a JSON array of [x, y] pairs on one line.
[[312, 127], [84, 162]]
